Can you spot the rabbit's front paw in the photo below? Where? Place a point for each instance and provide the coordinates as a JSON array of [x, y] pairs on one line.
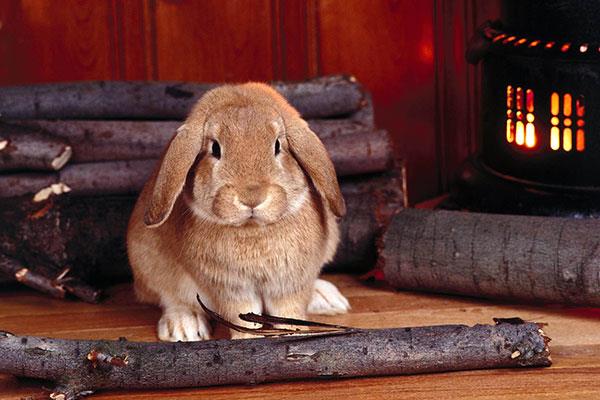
[[182, 324], [327, 299]]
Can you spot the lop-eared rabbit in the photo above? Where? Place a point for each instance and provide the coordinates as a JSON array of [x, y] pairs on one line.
[[242, 210]]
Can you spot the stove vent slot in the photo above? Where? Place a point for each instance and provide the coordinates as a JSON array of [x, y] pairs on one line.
[[519, 117], [567, 130]]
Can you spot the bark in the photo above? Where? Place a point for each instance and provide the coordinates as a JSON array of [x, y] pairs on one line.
[[366, 114], [47, 279], [131, 140], [316, 98], [31, 149], [101, 178], [359, 153], [87, 233], [28, 183], [362, 153], [530, 259], [82, 366], [370, 203], [327, 96], [33, 279]]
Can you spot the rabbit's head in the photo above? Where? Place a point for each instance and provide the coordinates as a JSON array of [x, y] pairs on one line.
[[244, 155]]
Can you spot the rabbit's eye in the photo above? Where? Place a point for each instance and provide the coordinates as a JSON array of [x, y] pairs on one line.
[[277, 147], [216, 150]]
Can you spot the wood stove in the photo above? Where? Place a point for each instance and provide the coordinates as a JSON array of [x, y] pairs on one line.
[[540, 111]]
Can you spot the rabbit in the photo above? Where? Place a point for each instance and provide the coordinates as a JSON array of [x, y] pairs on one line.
[[242, 210]]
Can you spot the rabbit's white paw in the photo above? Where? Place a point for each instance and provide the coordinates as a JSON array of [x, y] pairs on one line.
[[182, 324], [327, 299]]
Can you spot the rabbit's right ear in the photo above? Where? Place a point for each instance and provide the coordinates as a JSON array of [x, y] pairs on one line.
[[175, 164]]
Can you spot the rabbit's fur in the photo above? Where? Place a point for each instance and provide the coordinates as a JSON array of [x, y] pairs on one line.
[[242, 210]]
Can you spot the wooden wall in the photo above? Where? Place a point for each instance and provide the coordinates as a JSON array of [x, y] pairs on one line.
[[409, 53]]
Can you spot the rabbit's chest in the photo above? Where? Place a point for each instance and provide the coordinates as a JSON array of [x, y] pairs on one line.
[[262, 256]]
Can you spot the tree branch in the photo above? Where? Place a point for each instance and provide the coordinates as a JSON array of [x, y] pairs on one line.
[[357, 153], [327, 96], [31, 149], [82, 366]]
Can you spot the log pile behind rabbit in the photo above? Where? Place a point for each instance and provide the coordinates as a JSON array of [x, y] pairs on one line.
[[242, 209]]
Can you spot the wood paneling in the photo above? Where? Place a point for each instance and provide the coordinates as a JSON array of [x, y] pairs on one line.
[[214, 40], [388, 46], [410, 54], [135, 23], [575, 346], [457, 95], [57, 41]]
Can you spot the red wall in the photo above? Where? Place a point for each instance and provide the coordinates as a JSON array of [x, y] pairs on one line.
[[409, 53]]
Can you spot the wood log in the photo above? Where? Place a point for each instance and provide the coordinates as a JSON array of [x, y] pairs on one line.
[[32, 278], [530, 259], [31, 149], [362, 153], [79, 367], [102, 178], [98, 140], [355, 154], [84, 234], [87, 234], [47, 280], [326, 96], [370, 203], [366, 114]]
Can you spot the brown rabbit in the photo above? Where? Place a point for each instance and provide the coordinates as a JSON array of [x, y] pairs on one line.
[[241, 210]]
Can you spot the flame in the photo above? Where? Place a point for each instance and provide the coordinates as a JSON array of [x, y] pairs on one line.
[[530, 135], [519, 98], [510, 131], [499, 37], [554, 103], [509, 39], [535, 43], [520, 135], [554, 138], [580, 142], [529, 100], [520, 41], [579, 106], [567, 139], [567, 105]]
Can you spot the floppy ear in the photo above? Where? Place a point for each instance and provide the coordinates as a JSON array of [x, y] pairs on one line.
[[312, 156], [170, 178]]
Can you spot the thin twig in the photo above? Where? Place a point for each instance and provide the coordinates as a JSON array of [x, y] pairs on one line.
[[317, 327]]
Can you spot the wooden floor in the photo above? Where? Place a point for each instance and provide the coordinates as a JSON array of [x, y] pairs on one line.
[[575, 346]]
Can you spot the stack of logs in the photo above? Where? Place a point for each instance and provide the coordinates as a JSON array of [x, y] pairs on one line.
[[74, 156]]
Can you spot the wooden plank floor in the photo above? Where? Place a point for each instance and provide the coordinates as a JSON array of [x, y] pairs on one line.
[[575, 346]]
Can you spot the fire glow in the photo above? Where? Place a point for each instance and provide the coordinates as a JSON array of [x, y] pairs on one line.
[[520, 127]]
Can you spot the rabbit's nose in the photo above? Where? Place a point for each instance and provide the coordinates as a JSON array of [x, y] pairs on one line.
[[253, 196]]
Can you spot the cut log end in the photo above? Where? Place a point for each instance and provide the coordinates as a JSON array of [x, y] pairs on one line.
[[55, 188], [62, 158], [3, 144]]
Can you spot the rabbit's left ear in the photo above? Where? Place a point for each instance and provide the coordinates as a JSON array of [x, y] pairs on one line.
[[170, 178], [312, 156]]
